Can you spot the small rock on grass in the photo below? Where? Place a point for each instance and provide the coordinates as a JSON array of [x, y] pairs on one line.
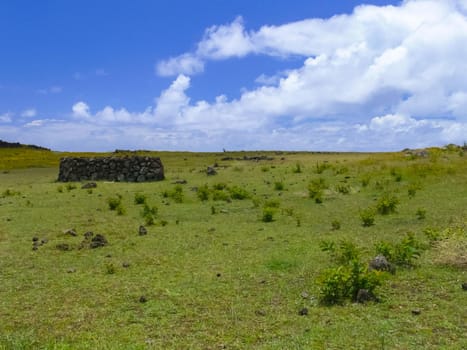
[[143, 299], [464, 286], [70, 232], [416, 312], [303, 311], [125, 264], [142, 231]]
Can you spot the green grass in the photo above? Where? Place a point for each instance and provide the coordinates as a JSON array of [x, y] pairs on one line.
[[213, 273]]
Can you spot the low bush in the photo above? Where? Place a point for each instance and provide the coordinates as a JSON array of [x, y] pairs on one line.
[[387, 204], [268, 214], [403, 253], [279, 186], [316, 189], [344, 282], [140, 198], [238, 193], [114, 202], [203, 193], [367, 216]]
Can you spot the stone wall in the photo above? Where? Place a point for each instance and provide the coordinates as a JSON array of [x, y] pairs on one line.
[[129, 169]]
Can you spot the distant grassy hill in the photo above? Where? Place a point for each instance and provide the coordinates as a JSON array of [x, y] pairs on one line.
[[5, 144]]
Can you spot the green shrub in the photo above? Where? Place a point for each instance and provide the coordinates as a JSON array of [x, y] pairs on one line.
[[433, 235], [316, 189], [203, 193], [268, 214], [220, 186], [343, 254], [70, 187], [120, 209], [421, 213], [387, 204], [149, 214], [272, 203], [403, 253], [344, 282], [238, 193], [412, 189], [60, 189], [279, 186], [336, 225], [321, 167], [176, 194], [114, 202], [297, 169], [10, 193], [368, 217], [220, 195], [140, 198]]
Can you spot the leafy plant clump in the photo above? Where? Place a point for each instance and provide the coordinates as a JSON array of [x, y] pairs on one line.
[[239, 193], [176, 194], [387, 204], [203, 193], [140, 198], [114, 202], [403, 253], [316, 189], [346, 282], [351, 279], [278, 186], [149, 214], [367, 216]]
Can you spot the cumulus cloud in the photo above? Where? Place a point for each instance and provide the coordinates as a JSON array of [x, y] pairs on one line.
[[81, 110]]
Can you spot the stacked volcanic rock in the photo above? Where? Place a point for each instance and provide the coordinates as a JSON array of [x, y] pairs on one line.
[[128, 169]]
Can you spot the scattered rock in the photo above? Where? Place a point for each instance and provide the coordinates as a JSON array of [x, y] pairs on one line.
[[89, 185], [464, 286], [35, 239], [98, 241], [88, 235], [211, 171], [35, 247], [380, 263], [63, 247], [416, 312], [70, 232], [142, 231], [143, 299], [304, 295], [303, 311], [125, 264], [44, 241], [71, 270], [179, 182], [218, 274], [363, 296]]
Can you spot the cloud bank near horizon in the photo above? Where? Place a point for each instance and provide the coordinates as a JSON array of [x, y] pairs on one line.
[[380, 78]]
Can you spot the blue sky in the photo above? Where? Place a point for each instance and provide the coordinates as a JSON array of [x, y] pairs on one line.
[[207, 75]]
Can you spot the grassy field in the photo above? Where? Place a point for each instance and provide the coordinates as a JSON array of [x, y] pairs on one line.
[[239, 260]]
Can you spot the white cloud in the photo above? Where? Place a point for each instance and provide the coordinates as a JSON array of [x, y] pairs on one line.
[[380, 78], [81, 110], [5, 118], [183, 64], [29, 113], [50, 90]]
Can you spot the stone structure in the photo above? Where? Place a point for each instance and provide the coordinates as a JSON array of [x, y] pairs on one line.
[[129, 169]]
